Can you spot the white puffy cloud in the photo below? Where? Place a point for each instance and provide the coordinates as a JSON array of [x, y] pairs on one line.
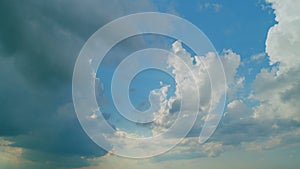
[[199, 66], [169, 109], [283, 41], [231, 61], [278, 89]]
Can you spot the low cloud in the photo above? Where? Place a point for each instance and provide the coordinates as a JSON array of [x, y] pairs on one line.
[[39, 43]]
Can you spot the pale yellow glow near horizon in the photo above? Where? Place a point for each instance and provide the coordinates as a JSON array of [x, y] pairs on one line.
[[275, 159]]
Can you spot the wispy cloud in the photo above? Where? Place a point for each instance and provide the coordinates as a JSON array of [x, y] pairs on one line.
[[216, 7]]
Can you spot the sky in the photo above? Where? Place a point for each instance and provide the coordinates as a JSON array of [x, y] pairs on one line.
[[257, 42]]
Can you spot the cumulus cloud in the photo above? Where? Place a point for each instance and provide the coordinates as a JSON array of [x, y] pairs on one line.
[[270, 121], [203, 65], [39, 123], [284, 37], [170, 111], [277, 89], [231, 62], [269, 117]]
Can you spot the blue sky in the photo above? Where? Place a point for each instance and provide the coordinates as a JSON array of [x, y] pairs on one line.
[[257, 42]]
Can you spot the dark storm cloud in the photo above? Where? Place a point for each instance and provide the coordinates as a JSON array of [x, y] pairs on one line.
[[46, 36], [39, 43]]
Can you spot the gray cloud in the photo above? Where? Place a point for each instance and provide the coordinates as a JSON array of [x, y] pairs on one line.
[[39, 43]]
